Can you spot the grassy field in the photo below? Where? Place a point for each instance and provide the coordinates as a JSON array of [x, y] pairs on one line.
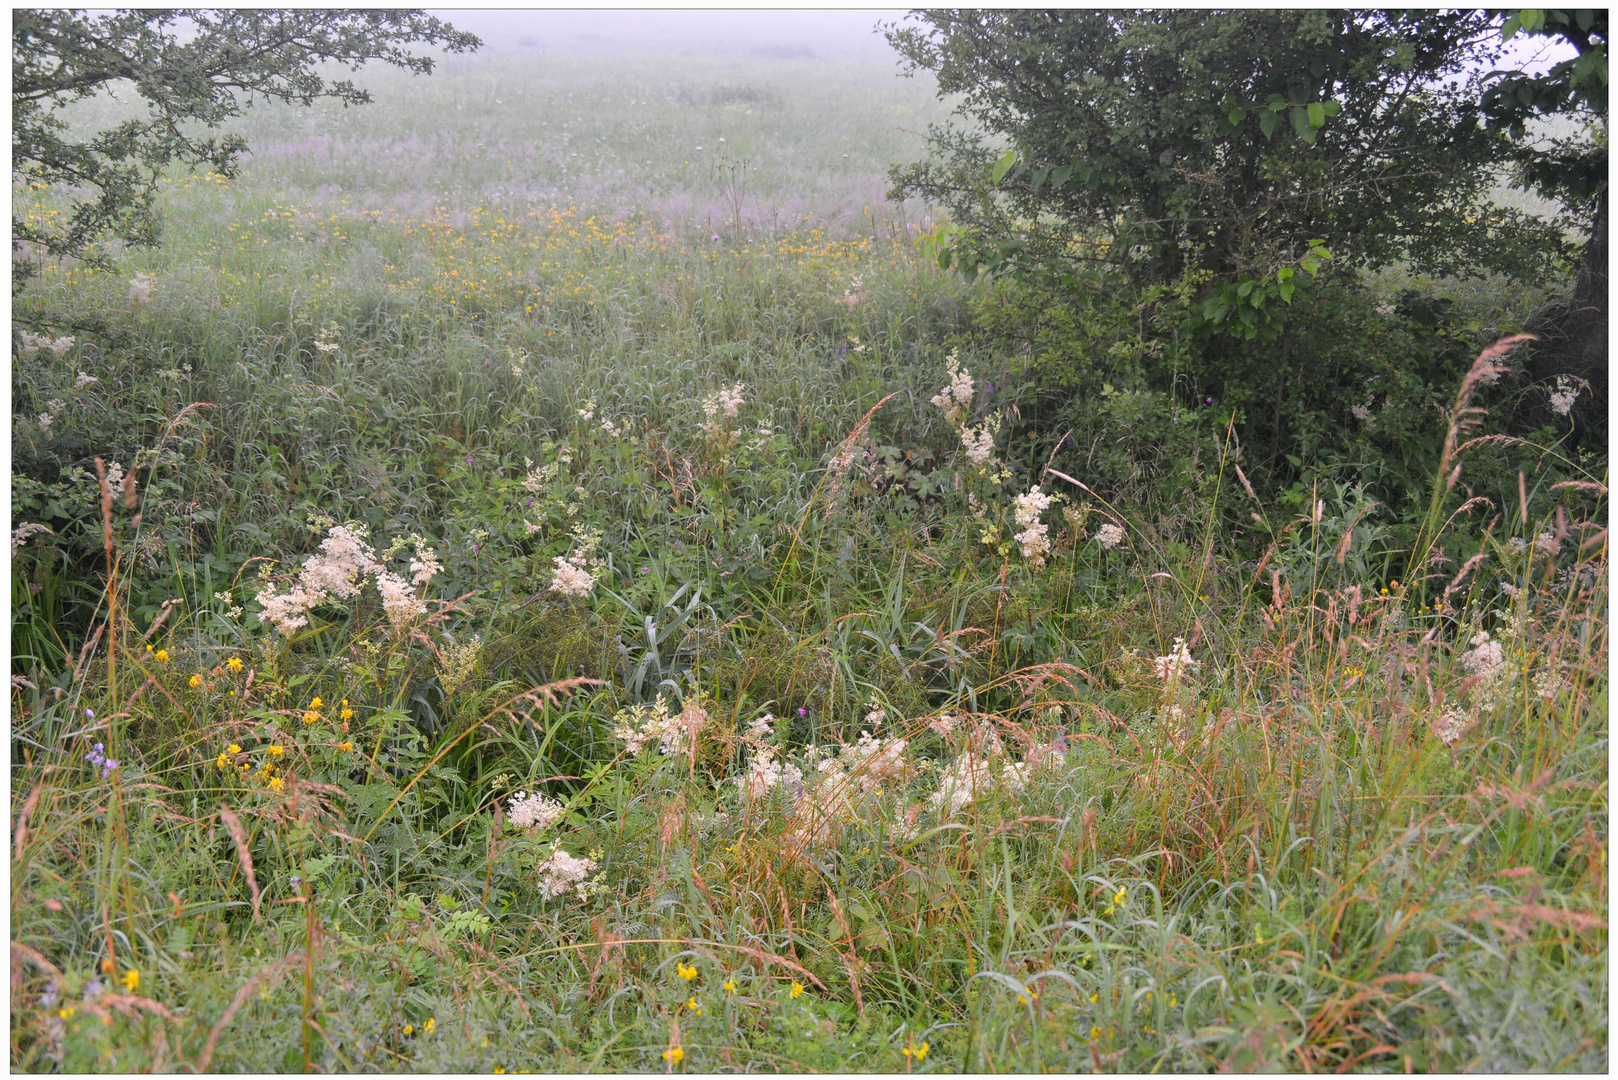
[[703, 665]]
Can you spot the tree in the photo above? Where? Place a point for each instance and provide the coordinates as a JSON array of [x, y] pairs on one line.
[[193, 69], [1570, 165], [1237, 147]]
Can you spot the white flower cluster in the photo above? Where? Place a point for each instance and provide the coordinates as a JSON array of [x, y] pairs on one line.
[[640, 725], [1547, 544], [140, 290], [1362, 413], [1565, 394], [1452, 725], [969, 777], [956, 401], [956, 398], [571, 578], [764, 772], [1110, 535], [32, 343], [1176, 663], [1034, 538], [537, 811], [340, 568], [561, 873], [20, 535], [84, 380], [978, 444], [1484, 658]]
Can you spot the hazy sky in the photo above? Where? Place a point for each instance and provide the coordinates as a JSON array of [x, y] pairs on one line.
[[749, 32]]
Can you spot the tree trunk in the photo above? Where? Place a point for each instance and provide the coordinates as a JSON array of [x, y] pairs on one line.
[[1586, 327]]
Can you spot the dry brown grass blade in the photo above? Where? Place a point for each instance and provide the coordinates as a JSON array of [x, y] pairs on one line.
[[20, 837], [236, 1003], [239, 835]]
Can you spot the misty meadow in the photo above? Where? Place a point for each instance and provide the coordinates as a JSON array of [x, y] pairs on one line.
[[1016, 541]]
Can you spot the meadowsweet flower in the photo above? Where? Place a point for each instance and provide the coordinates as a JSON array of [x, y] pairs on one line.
[[425, 565], [1547, 544], [537, 811], [1452, 725], [84, 380], [1034, 537], [140, 290], [1484, 658], [764, 772], [1565, 394], [639, 725], [1362, 413], [571, 578], [398, 599], [561, 872], [24, 530], [979, 445], [956, 398], [1110, 536], [1176, 663]]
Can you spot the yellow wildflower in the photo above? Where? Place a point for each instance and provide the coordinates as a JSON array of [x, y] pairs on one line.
[[316, 703], [162, 656], [233, 749], [694, 1005], [410, 1029], [223, 760], [131, 981], [797, 988], [277, 784], [729, 984], [234, 663], [917, 1052], [432, 1021], [674, 1055], [311, 717], [195, 681], [275, 750], [684, 971], [347, 713], [345, 747]]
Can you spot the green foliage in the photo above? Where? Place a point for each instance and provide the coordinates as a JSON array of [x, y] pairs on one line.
[[1160, 141], [191, 70]]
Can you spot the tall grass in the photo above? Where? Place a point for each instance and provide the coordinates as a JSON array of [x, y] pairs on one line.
[[1364, 829]]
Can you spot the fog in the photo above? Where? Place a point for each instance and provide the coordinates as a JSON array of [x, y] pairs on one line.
[[708, 33]]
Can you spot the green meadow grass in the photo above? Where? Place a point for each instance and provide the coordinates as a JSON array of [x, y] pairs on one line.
[[1363, 829]]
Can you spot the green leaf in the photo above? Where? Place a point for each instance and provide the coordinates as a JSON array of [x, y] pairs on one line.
[[1059, 176], [1300, 124], [1317, 115], [1235, 117], [1509, 29], [1267, 122], [1003, 166], [1533, 19]]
